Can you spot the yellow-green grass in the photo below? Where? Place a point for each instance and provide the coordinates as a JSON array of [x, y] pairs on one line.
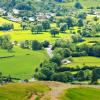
[[81, 93], [22, 91], [81, 61], [27, 35], [23, 64], [3, 21], [85, 3]]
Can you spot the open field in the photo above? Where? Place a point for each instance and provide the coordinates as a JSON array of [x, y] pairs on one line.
[[23, 64], [21, 91], [3, 21], [85, 3], [81, 61], [81, 93], [21, 35]]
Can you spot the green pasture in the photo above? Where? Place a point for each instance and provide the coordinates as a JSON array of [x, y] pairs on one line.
[[23, 64], [87, 60], [21, 91], [81, 93]]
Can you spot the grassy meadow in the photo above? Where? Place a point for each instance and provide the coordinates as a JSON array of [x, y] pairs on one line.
[[85, 3], [21, 91], [81, 93], [87, 60], [23, 64]]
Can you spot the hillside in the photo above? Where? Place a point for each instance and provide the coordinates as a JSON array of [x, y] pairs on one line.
[[81, 93], [22, 91], [48, 91]]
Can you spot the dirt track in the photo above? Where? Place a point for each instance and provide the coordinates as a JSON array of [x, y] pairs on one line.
[[58, 88]]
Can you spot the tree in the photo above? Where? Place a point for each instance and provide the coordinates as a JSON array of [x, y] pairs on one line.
[[80, 76], [56, 59], [46, 25], [69, 22], [6, 27], [78, 5], [76, 38], [24, 25], [95, 75], [45, 43], [82, 15], [9, 46], [5, 42], [1, 78], [62, 77], [23, 6], [63, 27], [66, 52], [36, 45], [80, 23], [54, 32], [37, 28], [46, 71]]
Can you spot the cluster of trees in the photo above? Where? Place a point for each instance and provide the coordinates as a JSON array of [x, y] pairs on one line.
[[5, 42], [75, 50], [34, 45], [23, 6], [49, 70], [5, 79], [40, 27], [93, 50], [6, 27]]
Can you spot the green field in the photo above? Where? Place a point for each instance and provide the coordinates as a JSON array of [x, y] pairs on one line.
[[21, 91], [85, 3], [81, 61], [81, 94], [3, 21], [23, 64]]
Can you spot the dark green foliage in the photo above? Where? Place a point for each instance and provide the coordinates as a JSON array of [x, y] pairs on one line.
[[45, 44], [80, 23], [95, 76], [80, 76], [6, 27], [5, 42], [54, 32], [46, 71], [36, 45], [46, 25], [63, 27], [78, 5], [23, 6], [56, 59], [62, 77], [37, 28]]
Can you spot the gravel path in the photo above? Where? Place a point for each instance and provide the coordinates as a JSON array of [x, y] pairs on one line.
[[49, 51], [58, 88]]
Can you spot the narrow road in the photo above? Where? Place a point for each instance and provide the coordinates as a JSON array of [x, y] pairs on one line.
[[57, 88], [49, 51]]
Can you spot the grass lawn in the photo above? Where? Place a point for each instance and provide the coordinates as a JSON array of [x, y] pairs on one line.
[[3, 21], [21, 91], [22, 65], [80, 61], [86, 3], [27, 35], [81, 93]]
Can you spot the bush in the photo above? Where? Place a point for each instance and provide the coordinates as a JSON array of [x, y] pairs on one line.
[[62, 77], [36, 45], [45, 43], [78, 5], [79, 54]]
